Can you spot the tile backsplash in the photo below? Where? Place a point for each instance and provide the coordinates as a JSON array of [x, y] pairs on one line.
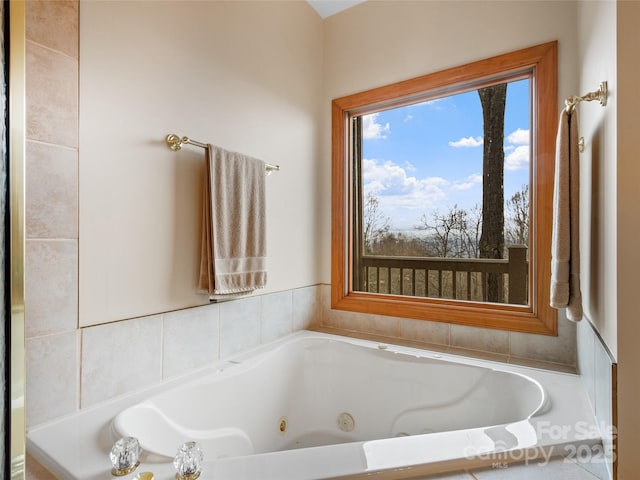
[[53, 342], [598, 371], [94, 364], [84, 367], [554, 352]]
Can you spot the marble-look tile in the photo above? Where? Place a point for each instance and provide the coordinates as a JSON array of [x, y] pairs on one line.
[[277, 316], [51, 286], [52, 373], [51, 191], [603, 399], [480, 354], [307, 307], [344, 320], [52, 96], [325, 303], [190, 339], [239, 325], [356, 321], [120, 357], [560, 349], [378, 325], [483, 339], [556, 367], [585, 339], [424, 331], [554, 469], [53, 24]]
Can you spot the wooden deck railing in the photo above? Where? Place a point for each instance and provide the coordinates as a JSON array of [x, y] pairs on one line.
[[454, 278]]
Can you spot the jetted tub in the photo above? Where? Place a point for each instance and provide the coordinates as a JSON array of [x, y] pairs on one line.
[[323, 406], [311, 392]]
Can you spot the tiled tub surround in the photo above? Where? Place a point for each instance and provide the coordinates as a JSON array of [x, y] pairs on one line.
[[77, 446], [598, 371], [84, 367], [80, 369], [51, 209], [557, 353]]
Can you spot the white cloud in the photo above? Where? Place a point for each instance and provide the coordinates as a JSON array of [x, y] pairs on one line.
[[409, 167], [408, 118], [475, 177], [404, 198], [518, 159], [371, 129], [396, 189], [519, 137], [518, 150], [472, 180], [467, 142]]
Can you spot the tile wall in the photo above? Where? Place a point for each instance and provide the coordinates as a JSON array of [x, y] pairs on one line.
[[125, 356], [598, 371], [51, 252], [551, 352]]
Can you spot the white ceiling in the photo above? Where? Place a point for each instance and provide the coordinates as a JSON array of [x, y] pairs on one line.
[[326, 8]]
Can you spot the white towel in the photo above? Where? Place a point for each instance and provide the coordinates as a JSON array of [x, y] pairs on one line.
[[565, 246], [233, 256]]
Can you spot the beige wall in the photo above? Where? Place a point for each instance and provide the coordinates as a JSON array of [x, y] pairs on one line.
[[597, 62], [243, 75]]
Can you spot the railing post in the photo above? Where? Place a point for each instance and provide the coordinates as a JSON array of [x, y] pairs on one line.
[[518, 275]]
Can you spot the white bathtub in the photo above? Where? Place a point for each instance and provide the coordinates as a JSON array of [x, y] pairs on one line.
[[322, 406]]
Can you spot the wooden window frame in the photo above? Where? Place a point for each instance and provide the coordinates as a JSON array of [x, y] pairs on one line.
[[536, 317]]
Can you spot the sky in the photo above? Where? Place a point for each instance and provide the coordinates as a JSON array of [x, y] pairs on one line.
[[427, 157]]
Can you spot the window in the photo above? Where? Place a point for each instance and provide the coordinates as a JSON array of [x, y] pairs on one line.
[[442, 192]]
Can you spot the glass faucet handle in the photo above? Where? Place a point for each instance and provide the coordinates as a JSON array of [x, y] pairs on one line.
[[125, 456], [188, 461]]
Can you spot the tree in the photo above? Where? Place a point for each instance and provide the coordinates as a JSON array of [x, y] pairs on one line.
[[493, 100], [517, 232], [375, 223], [443, 240], [471, 232], [453, 234]]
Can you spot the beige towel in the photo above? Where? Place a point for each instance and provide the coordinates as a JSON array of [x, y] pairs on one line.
[[565, 247], [233, 255]]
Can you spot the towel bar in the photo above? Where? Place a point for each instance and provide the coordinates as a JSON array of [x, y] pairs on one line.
[[600, 95], [175, 142], [571, 102]]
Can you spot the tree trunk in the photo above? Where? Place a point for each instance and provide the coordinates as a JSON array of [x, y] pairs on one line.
[[493, 101]]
